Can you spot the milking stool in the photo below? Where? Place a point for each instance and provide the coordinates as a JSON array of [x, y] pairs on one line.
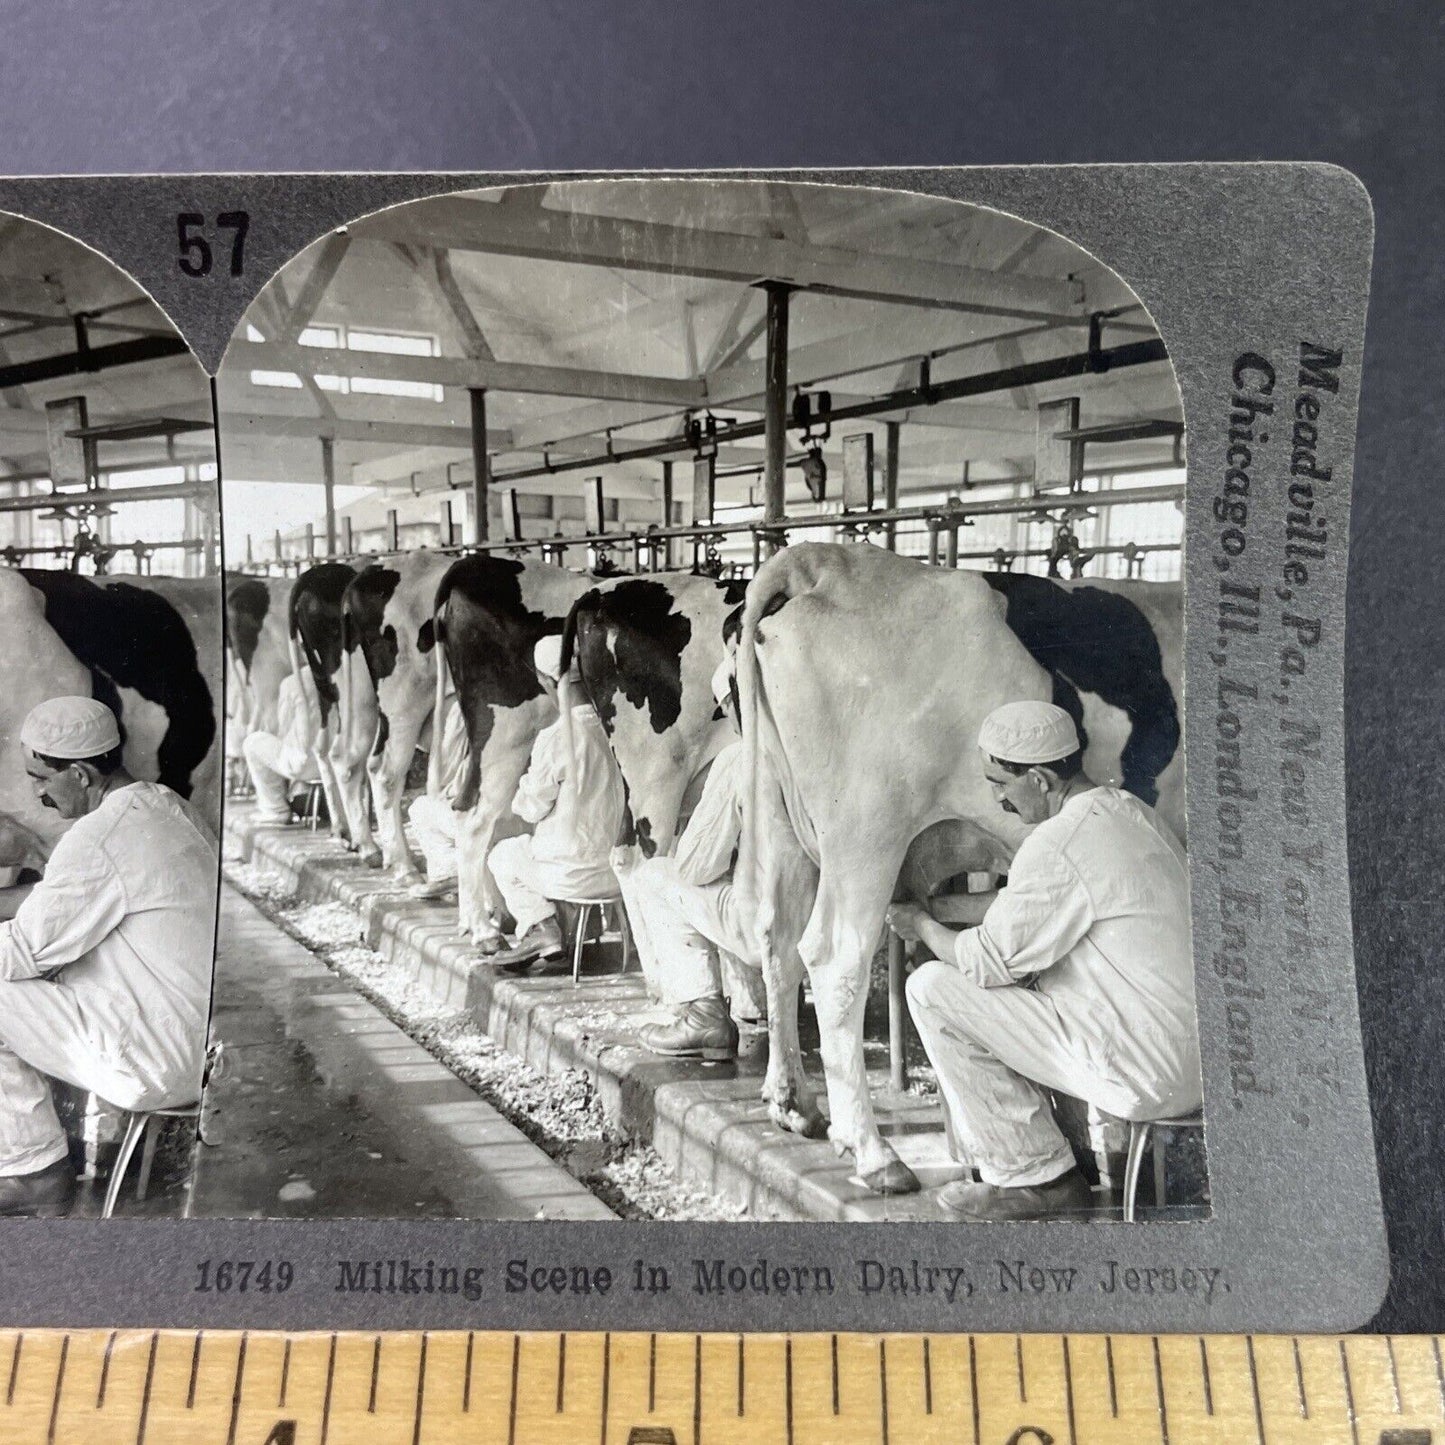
[[314, 794], [584, 907], [141, 1124], [1140, 1136]]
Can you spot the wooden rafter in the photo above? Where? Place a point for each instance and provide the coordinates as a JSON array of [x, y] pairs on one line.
[[575, 238]]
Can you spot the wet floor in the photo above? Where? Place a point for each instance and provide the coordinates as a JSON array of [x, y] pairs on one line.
[[323, 1108]]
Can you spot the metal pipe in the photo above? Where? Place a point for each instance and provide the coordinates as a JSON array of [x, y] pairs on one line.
[[91, 358], [775, 403], [161, 492], [1164, 492], [1032, 373], [890, 477], [481, 467], [897, 1014], [328, 482]]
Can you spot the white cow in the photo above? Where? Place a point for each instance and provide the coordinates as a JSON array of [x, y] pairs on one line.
[[864, 678]]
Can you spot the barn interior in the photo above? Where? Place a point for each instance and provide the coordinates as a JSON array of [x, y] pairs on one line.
[[107, 441], [609, 358], [659, 375]]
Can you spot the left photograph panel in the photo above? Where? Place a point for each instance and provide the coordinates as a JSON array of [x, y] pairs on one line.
[[111, 765]]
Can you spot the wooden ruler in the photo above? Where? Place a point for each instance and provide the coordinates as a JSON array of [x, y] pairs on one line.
[[263, 1388]]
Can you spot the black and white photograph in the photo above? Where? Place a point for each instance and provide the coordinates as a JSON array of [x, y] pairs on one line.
[[111, 770], [704, 736]]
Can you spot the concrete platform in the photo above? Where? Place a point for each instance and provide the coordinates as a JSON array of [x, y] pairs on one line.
[[707, 1121], [323, 1108]]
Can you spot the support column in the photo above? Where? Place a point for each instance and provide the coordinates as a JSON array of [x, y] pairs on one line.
[[328, 479], [890, 478], [667, 513], [481, 475], [775, 405]]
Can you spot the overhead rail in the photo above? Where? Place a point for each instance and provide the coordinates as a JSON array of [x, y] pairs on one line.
[[1094, 361]]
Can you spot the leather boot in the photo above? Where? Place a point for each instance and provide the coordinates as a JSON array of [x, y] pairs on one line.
[[984, 1203], [541, 940], [703, 1031], [46, 1194]]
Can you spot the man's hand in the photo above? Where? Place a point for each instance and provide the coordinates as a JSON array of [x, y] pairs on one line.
[[905, 919], [19, 847]]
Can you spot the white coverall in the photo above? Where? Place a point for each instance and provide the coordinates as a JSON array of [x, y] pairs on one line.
[[432, 817], [1097, 911], [685, 907], [105, 970], [577, 820], [277, 760]]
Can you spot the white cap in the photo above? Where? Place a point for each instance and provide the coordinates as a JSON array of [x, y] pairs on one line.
[[722, 682], [547, 655], [1028, 732], [70, 727]]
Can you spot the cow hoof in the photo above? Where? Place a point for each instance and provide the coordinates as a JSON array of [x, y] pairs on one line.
[[489, 944], [895, 1177], [792, 1121], [370, 857]]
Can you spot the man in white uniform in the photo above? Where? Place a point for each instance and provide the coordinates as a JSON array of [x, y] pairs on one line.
[[689, 909], [432, 816], [105, 965], [577, 807], [1096, 918], [278, 761]]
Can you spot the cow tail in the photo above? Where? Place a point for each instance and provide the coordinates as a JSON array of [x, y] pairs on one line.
[[566, 694], [438, 718], [748, 681]]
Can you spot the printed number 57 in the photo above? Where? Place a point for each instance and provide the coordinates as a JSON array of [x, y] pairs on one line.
[[195, 254]]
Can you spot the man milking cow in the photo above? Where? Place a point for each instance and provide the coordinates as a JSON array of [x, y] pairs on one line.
[[105, 962], [1076, 979]]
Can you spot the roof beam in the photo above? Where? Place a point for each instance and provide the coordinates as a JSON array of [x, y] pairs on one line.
[[298, 313], [464, 371], [573, 237], [352, 429]]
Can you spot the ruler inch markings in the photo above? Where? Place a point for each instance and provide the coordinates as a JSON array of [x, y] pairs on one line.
[[236, 1391], [104, 1371], [196, 1367], [420, 1392], [59, 1385], [512, 1412], [326, 1398], [1206, 1387], [883, 1388], [1159, 1390], [1349, 1395], [145, 1399]]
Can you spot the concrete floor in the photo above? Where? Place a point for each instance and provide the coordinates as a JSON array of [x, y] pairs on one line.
[[323, 1108]]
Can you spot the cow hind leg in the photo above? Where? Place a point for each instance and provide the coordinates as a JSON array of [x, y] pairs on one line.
[[387, 770], [331, 789], [786, 1089], [837, 949]]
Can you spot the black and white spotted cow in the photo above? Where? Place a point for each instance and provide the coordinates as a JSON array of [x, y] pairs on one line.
[[257, 653], [388, 610], [646, 649], [317, 639], [148, 647], [491, 612]]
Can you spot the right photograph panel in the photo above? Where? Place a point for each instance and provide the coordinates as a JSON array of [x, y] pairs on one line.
[[704, 720]]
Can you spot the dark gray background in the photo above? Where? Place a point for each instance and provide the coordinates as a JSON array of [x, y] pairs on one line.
[[365, 85]]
